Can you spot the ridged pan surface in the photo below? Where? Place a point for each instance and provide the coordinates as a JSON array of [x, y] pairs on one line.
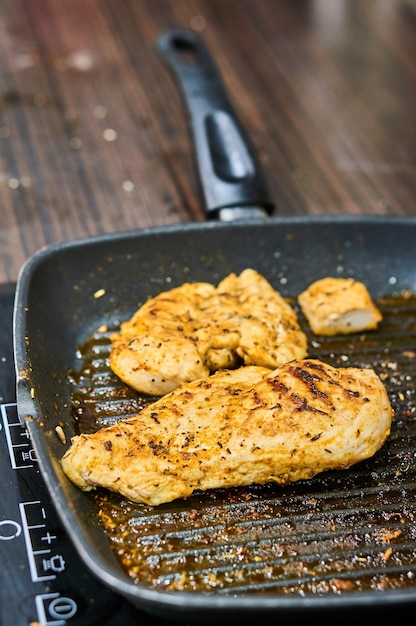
[[336, 533], [343, 540]]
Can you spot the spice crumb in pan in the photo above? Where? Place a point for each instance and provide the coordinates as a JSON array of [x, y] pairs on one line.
[[60, 432]]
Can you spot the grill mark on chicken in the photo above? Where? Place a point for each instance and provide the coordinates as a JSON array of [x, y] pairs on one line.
[[301, 404]]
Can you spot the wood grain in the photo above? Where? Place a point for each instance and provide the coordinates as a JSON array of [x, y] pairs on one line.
[[94, 138]]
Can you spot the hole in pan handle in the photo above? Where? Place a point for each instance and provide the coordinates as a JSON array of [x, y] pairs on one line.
[[232, 183]]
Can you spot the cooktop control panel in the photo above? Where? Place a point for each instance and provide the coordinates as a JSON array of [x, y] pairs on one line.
[[42, 580]]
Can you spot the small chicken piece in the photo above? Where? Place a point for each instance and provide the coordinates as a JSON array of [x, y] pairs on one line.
[[238, 427], [335, 306], [190, 331]]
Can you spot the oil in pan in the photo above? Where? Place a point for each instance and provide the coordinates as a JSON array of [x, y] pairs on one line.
[[340, 532]]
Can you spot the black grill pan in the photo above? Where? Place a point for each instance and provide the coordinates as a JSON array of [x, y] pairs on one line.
[[342, 544]]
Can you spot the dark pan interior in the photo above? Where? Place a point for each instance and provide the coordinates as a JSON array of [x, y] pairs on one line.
[[66, 292]]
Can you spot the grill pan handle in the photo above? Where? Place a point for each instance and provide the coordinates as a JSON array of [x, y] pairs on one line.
[[232, 184]]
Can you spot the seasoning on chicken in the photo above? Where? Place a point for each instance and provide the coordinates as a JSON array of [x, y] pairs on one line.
[[335, 306], [238, 427], [190, 331]]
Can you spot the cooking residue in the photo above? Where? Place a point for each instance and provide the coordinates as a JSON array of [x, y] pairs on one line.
[[339, 532]]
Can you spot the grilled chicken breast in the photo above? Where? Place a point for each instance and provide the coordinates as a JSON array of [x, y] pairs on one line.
[[238, 427], [188, 332], [335, 306]]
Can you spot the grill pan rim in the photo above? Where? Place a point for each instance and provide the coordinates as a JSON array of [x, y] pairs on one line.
[[342, 219]]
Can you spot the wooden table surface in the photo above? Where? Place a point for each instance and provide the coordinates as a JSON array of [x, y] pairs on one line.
[[94, 136]]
